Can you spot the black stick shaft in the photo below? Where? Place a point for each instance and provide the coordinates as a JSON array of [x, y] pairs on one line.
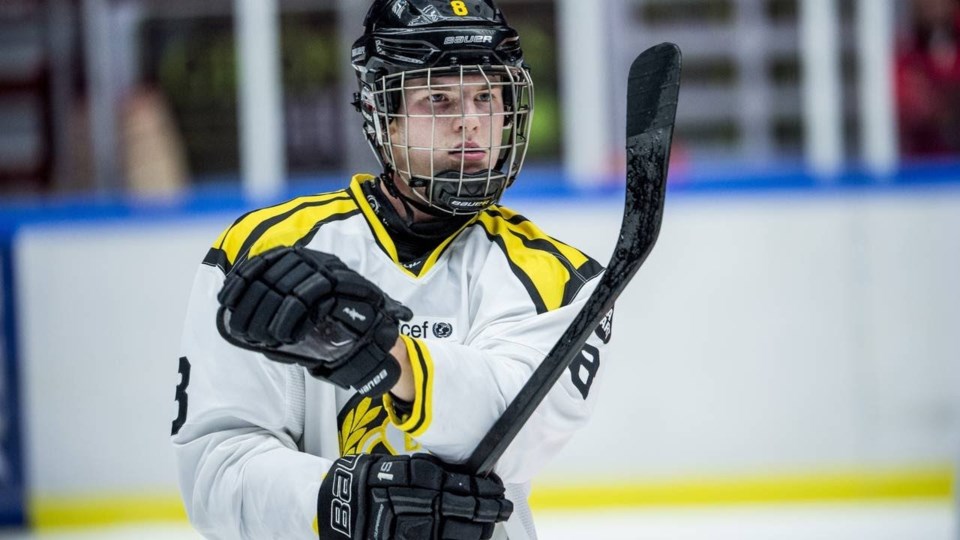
[[653, 87]]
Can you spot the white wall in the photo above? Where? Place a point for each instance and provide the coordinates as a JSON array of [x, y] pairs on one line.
[[776, 334], [100, 319], [770, 333]]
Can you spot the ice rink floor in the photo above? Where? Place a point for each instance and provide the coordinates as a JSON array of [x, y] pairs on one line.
[[879, 521]]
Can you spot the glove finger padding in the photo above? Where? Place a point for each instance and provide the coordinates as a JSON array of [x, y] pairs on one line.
[[396, 310], [302, 306], [407, 498]]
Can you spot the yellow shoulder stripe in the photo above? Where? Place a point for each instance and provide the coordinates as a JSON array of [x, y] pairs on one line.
[[230, 239], [527, 228], [551, 271], [299, 224], [280, 225]]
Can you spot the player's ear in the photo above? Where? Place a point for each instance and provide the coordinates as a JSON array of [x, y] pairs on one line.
[[395, 131]]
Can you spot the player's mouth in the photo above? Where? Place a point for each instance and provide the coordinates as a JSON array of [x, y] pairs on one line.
[[469, 152]]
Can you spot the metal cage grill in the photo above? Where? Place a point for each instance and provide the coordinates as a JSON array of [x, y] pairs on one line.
[[418, 112]]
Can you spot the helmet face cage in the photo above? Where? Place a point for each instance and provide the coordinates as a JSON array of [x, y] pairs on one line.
[[420, 143]]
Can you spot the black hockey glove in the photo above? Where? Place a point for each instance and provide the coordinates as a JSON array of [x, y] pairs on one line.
[[300, 306], [381, 497]]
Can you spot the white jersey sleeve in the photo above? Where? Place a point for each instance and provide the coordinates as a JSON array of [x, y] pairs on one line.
[[241, 473], [239, 436]]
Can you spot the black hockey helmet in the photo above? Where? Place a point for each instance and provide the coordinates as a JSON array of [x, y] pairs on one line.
[[425, 40]]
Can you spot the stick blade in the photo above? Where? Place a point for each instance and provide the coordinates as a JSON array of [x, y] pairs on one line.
[[653, 87]]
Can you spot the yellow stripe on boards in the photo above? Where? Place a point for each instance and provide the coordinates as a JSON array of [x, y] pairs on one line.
[[56, 512], [928, 483]]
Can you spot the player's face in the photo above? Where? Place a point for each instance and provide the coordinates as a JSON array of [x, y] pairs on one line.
[[446, 126]]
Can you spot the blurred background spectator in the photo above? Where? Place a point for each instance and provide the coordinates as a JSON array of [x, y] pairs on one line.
[[141, 96], [928, 79]]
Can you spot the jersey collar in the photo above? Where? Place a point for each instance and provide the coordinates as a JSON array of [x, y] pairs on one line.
[[383, 238]]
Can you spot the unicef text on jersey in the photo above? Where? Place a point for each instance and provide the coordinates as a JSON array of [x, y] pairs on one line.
[[429, 329]]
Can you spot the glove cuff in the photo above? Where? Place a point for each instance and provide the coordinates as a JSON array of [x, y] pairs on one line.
[[382, 373], [340, 504]]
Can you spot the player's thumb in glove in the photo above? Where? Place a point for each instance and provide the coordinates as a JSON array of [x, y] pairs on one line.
[[396, 310]]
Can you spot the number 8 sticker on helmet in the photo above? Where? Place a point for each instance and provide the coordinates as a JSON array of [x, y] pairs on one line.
[[459, 8]]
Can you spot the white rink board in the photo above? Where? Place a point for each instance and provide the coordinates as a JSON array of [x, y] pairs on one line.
[[769, 333]]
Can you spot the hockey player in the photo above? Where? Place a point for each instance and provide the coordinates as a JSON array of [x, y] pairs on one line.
[[343, 352]]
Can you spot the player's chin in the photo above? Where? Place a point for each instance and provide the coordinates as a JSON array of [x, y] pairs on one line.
[[469, 166], [477, 170], [470, 169]]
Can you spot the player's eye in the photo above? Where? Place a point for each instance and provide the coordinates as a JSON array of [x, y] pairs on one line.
[[437, 98], [485, 97]]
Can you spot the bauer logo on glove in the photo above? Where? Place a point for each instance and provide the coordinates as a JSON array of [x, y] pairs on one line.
[[417, 497], [300, 306]]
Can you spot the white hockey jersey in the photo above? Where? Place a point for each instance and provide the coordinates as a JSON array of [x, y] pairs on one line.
[[254, 437]]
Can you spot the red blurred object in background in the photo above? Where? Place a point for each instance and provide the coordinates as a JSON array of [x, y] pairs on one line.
[[928, 80]]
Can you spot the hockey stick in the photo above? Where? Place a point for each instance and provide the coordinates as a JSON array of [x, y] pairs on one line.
[[652, 91]]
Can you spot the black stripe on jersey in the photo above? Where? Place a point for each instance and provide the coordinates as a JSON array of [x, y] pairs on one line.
[[268, 223], [218, 258], [587, 270], [373, 230], [578, 276], [425, 413], [313, 230], [243, 217], [518, 272], [515, 220]]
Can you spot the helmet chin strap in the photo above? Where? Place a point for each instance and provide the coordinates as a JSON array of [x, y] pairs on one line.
[[466, 205], [403, 222], [464, 193], [388, 180]]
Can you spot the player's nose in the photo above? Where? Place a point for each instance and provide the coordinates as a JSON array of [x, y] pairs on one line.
[[469, 118]]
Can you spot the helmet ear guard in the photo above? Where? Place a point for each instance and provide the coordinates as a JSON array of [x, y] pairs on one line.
[[415, 41]]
